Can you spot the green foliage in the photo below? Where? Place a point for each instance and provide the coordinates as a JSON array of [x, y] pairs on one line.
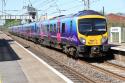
[[12, 22]]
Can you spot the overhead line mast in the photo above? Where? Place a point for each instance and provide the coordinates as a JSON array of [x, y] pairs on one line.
[[3, 4], [86, 4]]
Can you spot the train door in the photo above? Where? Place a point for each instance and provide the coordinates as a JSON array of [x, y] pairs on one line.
[[58, 32], [63, 32], [36, 30], [70, 32]]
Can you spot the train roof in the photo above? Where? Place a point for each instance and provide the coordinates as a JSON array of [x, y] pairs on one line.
[[80, 13], [87, 12], [29, 24]]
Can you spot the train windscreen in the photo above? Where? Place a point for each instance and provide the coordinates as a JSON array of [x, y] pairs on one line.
[[91, 25]]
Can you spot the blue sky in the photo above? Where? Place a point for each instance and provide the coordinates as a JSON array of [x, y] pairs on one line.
[[68, 6]]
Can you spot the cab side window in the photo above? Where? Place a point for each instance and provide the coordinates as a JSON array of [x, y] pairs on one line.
[[70, 26]]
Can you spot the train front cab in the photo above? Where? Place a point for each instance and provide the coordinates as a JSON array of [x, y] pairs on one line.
[[92, 35]]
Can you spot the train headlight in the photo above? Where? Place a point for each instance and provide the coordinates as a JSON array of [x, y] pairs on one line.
[[104, 39], [82, 40]]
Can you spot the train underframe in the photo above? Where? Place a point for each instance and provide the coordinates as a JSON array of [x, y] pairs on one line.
[[94, 51], [78, 51], [87, 51]]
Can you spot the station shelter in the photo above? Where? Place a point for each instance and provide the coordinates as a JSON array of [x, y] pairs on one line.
[[117, 35]]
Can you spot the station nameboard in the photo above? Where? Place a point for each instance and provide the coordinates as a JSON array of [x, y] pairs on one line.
[[115, 29]]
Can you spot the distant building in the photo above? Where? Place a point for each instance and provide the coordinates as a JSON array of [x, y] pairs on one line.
[[116, 20]]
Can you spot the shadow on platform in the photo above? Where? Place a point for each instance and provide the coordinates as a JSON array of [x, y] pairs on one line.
[[6, 52]]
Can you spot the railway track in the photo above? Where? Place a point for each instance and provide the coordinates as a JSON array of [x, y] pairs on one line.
[[71, 72], [115, 65], [108, 68]]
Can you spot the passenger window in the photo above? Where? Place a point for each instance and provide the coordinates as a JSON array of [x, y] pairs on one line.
[[63, 27], [70, 26], [36, 28], [51, 26], [47, 28], [54, 27]]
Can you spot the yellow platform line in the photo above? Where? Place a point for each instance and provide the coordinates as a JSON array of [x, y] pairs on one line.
[[0, 79]]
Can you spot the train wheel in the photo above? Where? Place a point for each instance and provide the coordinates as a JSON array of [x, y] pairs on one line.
[[73, 52], [76, 55], [65, 50]]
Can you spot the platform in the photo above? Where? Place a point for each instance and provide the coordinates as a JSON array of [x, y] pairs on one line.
[[17, 65], [119, 51], [117, 46]]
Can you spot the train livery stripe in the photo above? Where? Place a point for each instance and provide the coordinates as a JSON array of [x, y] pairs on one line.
[[48, 66]]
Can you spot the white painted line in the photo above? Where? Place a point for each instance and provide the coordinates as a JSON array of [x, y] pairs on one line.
[[43, 62]]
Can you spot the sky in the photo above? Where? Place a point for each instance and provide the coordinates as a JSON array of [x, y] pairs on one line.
[[52, 7]]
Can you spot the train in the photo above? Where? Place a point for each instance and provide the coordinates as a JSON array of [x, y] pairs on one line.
[[83, 34]]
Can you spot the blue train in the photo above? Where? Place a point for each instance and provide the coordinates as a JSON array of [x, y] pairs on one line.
[[82, 34]]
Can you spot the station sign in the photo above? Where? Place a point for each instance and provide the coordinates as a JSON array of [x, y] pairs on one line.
[[115, 29]]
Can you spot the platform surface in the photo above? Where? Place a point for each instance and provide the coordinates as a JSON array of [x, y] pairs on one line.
[[117, 46], [19, 66]]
